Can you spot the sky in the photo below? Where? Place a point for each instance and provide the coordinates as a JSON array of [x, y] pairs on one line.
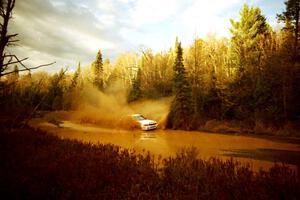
[[72, 31]]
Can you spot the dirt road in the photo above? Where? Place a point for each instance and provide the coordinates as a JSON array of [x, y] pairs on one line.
[[259, 152]]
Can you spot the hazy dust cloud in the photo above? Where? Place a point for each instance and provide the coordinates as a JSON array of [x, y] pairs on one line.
[[110, 108]]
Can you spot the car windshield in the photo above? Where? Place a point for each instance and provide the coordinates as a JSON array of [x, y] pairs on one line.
[[138, 117]]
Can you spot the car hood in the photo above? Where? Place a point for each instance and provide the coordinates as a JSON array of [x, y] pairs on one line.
[[147, 122]]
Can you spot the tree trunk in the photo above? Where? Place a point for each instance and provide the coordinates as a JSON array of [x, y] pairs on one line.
[[296, 34], [4, 38]]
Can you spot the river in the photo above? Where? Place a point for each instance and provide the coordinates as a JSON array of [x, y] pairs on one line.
[[258, 152]]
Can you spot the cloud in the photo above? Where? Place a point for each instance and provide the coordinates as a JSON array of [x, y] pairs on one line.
[[64, 30], [158, 22], [203, 17], [146, 12], [69, 31]]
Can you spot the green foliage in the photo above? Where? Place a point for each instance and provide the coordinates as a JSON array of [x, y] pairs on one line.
[[157, 74], [291, 17], [54, 100], [247, 56], [253, 77], [292, 11], [76, 77], [212, 106], [162, 81], [182, 108], [135, 93], [71, 95], [246, 33], [98, 71], [291, 74]]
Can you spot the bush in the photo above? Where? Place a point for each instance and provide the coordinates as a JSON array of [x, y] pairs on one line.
[[35, 165]]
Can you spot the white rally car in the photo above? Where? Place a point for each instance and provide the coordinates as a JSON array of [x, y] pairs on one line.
[[145, 124]]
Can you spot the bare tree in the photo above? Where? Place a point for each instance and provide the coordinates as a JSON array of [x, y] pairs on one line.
[[7, 59]]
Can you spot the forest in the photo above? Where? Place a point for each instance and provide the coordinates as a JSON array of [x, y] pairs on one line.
[[250, 80], [237, 97]]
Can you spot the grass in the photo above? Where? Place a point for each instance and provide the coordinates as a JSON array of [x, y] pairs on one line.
[[36, 165]]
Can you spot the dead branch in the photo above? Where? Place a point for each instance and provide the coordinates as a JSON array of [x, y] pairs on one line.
[[11, 41], [12, 35], [15, 62], [19, 61], [28, 69]]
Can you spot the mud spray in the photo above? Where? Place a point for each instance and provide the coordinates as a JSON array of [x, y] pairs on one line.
[[110, 108]]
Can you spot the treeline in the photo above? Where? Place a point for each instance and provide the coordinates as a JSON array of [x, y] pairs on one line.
[[253, 77]]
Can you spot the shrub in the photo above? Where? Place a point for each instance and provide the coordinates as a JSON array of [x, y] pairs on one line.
[[35, 165]]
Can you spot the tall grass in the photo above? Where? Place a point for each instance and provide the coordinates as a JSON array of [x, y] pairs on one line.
[[35, 165]]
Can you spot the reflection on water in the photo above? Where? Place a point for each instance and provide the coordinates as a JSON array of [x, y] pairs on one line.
[[166, 143], [147, 136], [272, 155]]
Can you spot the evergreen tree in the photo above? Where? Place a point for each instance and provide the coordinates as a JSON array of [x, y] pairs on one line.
[[292, 16], [135, 92], [212, 101], [291, 73], [181, 111], [98, 71], [54, 99], [72, 95], [76, 77], [247, 33], [176, 43]]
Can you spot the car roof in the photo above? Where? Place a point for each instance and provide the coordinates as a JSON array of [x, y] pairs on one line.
[[135, 115]]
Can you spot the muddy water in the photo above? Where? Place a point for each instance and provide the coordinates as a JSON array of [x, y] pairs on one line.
[[259, 153]]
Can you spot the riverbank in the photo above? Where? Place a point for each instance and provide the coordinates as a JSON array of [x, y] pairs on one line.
[[213, 126], [289, 131], [36, 165]]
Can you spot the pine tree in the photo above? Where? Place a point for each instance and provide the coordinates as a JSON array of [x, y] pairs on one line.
[[56, 91], [98, 71], [291, 16], [181, 112], [135, 92], [76, 77], [176, 43], [247, 33], [291, 73]]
